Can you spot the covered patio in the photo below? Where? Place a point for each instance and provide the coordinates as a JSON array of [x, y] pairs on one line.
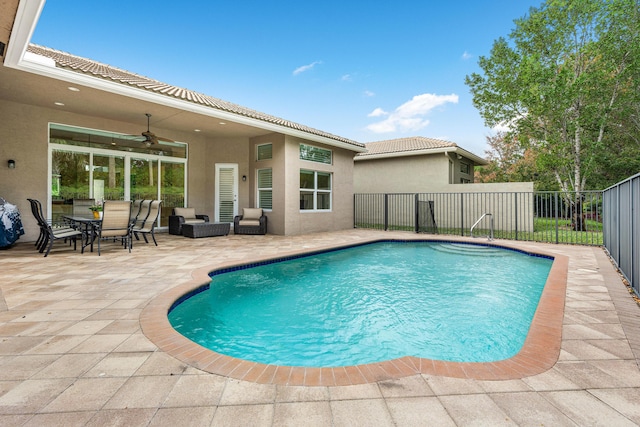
[[73, 351]]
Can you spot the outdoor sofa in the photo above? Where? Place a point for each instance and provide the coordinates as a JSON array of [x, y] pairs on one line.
[[181, 216], [252, 221]]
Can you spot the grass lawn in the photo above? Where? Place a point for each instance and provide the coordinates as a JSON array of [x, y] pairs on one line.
[[544, 230]]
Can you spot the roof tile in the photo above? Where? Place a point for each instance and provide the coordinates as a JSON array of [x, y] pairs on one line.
[[103, 71], [403, 145]]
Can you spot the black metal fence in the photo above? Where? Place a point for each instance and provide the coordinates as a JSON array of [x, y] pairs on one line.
[[622, 227], [554, 217]]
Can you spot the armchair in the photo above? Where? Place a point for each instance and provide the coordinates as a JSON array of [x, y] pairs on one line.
[[252, 221], [182, 216]]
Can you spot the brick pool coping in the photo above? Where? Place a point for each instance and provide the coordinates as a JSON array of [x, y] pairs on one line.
[[538, 354]]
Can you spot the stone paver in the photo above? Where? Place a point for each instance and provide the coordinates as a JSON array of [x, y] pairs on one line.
[[72, 351]]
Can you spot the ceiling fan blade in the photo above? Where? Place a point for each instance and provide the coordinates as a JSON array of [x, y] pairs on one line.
[[147, 137]]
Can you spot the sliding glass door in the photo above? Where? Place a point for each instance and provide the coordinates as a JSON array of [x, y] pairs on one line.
[[172, 191], [144, 179], [69, 181], [90, 164], [108, 177]]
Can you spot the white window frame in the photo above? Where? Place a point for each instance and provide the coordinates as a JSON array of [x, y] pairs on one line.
[[317, 191]]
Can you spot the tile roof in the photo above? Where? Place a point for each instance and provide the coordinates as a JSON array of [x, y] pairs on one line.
[[107, 72], [404, 145]]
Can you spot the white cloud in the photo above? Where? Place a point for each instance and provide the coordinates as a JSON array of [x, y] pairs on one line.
[[304, 68], [346, 78], [466, 55], [508, 126], [369, 93], [377, 113], [410, 116], [501, 127]]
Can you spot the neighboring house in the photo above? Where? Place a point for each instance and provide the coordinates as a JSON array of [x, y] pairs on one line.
[[430, 172], [412, 165], [73, 127]]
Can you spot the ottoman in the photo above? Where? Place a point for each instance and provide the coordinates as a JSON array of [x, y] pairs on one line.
[[207, 229]]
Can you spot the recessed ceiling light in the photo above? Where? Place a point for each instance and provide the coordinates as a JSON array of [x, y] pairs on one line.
[[73, 89], [59, 104], [222, 123], [196, 130]]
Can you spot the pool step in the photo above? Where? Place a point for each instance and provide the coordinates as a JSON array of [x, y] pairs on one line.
[[468, 249]]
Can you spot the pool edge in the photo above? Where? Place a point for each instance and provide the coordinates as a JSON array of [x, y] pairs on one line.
[[539, 353]]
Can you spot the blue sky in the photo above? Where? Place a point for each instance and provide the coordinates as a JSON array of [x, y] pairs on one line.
[[367, 71]]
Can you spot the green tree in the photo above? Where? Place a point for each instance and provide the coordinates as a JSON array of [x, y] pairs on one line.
[[566, 84]]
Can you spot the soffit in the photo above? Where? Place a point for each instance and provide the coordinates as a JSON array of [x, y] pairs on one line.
[[106, 89], [8, 9], [32, 89]]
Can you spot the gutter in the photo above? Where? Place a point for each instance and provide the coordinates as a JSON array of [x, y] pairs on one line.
[[446, 150]]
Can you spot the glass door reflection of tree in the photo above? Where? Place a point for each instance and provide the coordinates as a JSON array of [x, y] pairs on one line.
[[69, 180], [144, 179], [171, 189], [108, 177]]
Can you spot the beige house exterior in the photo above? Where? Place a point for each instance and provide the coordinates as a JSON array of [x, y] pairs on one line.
[[426, 170], [43, 90], [412, 165]]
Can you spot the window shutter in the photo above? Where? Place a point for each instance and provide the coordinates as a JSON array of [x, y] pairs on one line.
[[265, 152], [265, 178], [315, 154], [265, 193], [226, 195]]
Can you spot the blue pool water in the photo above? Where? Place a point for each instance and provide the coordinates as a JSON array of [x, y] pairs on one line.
[[369, 303]]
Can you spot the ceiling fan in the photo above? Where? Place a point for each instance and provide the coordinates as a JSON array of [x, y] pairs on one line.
[[151, 138]]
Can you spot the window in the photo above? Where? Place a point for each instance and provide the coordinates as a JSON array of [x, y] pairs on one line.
[[315, 154], [464, 168], [315, 190], [264, 152], [101, 165], [265, 189]]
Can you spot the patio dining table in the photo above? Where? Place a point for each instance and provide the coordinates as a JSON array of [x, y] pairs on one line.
[[89, 226]]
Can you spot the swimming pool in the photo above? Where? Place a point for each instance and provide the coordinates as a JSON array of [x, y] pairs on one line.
[[478, 310]]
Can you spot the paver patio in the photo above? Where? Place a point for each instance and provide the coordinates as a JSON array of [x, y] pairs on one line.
[[72, 351]]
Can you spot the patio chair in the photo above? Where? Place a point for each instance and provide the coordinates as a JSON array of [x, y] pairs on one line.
[[143, 213], [136, 207], [115, 222], [81, 207], [181, 216], [36, 210], [49, 233], [252, 221], [149, 224]]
